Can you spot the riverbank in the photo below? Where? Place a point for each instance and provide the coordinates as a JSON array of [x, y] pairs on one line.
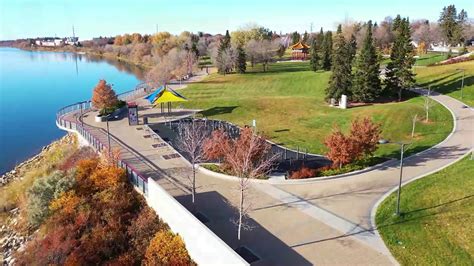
[[13, 187], [83, 51]]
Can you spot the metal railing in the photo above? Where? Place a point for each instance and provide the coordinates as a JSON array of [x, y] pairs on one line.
[[77, 109]]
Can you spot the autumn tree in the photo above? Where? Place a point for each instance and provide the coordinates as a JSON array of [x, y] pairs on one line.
[[103, 96], [217, 145], [191, 138], [340, 148], [365, 135], [166, 248], [249, 157]]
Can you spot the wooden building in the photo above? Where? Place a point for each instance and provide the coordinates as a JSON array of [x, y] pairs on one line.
[[299, 51]]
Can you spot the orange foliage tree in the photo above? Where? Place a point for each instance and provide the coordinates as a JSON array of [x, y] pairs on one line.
[[341, 149], [103, 96], [362, 141], [365, 134], [167, 248]]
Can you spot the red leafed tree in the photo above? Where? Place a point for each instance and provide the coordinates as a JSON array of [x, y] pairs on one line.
[[217, 146], [103, 95], [341, 149], [365, 135]]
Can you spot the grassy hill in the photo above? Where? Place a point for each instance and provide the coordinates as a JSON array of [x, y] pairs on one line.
[[447, 80], [288, 103], [437, 222]]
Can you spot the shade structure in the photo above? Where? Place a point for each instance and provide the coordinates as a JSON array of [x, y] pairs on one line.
[[152, 97], [168, 95]]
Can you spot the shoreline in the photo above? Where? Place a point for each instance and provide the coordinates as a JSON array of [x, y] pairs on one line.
[[16, 172]]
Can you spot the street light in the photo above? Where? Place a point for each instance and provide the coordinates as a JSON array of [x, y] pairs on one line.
[[108, 134], [462, 80], [402, 150]]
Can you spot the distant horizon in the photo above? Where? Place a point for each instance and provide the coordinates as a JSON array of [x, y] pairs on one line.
[[31, 19]]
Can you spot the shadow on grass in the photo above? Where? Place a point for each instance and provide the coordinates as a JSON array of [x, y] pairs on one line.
[[218, 110], [449, 85]]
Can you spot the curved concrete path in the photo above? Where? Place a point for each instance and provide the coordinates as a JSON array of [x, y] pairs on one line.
[[324, 222]]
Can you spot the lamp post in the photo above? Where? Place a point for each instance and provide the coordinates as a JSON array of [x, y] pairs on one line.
[[108, 134], [402, 150], [462, 80]]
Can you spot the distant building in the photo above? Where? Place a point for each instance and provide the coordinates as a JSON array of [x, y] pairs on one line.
[[299, 51], [49, 42], [72, 40]]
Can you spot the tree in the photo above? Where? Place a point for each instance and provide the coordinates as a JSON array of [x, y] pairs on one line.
[[42, 192], [103, 96], [248, 158], [452, 24], [241, 63], [427, 104], [365, 135], [305, 37], [366, 84], [340, 80], [326, 54], [340, 148], [191, 137], [295, 37], [399, 75], [166, 248], [225, 57], [351, 48], [315, 61]]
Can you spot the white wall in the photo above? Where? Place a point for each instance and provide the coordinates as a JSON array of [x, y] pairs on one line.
[[204, 247]]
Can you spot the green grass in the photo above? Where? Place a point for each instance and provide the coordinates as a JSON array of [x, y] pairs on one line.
[[430, 58], [288, 104], [437, 222], [447, 80]]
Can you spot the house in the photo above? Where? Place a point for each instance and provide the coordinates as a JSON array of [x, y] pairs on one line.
[[49, 42]]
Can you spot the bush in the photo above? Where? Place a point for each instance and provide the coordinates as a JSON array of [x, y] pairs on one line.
[[303, 172], [167, 248], [42, 192]]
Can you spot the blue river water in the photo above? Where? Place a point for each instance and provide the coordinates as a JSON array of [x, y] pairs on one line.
[[34, 85]]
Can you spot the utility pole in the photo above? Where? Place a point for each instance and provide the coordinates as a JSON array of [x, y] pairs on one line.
[[311, 28], [73, 33], [156, 28]]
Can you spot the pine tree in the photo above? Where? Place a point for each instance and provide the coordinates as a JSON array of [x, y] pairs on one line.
[[341, 76], [326, 51], [223, 48], [366, 84], [305, 37], [352, 47], [315, 62], [295, 37], [241, 63], [398, 74]]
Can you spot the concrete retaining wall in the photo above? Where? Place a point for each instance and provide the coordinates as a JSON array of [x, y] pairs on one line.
[[202, 244]]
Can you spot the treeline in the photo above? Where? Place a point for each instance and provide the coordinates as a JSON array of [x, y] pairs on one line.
[[88, 213]]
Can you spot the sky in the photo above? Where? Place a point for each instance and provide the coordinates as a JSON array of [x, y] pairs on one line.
[[93, 18]]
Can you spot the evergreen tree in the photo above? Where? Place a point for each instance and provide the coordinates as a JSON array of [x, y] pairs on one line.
[[352, 47], [222, 53], [295, 37], [315, 62], [326, 52], [452, 24], [366, 84], [305, 37], [398, 73], [341, 76], [241, 63]]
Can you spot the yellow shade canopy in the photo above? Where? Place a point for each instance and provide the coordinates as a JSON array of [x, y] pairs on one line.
[[168, 95]]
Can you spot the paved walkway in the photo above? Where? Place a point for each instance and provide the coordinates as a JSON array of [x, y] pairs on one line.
[[325, 222]]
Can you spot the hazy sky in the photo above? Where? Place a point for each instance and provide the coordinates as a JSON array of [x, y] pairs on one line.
[[91, 18]]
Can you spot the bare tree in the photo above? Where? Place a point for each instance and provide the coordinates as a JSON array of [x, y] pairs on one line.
[[161, 74], [415, 118], [427, 104], [224, 60], [191, 137], [262, 51], [250, 158]]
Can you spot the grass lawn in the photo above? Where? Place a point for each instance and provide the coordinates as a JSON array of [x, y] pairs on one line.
[[430, 58], [447, 79], [288, 104], [437, 222]]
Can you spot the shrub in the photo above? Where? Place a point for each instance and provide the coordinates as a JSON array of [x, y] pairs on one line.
[[42, 192], [303, 172], [167, 248]]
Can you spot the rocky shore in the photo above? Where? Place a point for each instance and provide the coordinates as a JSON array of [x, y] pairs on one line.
[[25, 166], [11, 238]]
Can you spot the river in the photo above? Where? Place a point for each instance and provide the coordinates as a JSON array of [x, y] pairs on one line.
[[34, 85]]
